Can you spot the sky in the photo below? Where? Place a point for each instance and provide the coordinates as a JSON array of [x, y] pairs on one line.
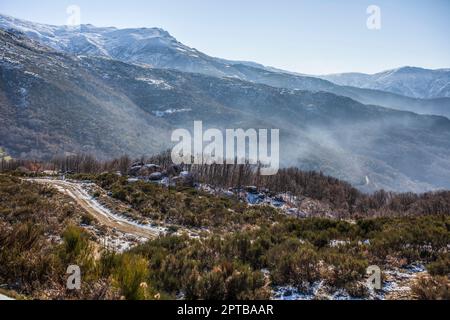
[[306, 36]]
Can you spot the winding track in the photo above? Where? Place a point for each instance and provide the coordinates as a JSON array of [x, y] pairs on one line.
[[103, 215]]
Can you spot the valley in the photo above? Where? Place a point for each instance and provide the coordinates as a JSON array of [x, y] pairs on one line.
[[320, 131], [159, 172]]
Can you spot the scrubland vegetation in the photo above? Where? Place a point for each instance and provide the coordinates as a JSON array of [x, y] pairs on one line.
[[249, 250], [344, 200]]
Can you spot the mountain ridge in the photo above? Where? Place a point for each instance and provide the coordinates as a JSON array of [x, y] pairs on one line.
[[410, 81], [55, 103], [159, 49]]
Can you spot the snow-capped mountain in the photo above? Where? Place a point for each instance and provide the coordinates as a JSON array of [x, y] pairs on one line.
[[63, 88], [152, 46], [157, 48], [408, 81], [54, 103]]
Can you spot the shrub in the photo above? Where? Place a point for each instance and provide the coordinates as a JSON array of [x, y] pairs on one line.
[[87, 219], [212, 286], [109, 261], [76, 249], [440, 267], [345, 268], [293, 263], [432, 288], [24, 257], [172, 229], [119, 194], [228, 282], [131, 275]]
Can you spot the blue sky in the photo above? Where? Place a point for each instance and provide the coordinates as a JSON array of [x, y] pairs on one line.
[[307, 36]]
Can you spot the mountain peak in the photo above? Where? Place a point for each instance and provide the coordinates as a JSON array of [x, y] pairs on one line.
[[406, 69], [24, 25], [408, 81]]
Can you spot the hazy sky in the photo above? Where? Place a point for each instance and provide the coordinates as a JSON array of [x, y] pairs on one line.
[[307, 36]]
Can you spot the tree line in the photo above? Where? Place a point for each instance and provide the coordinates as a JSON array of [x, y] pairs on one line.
[[342, 198]]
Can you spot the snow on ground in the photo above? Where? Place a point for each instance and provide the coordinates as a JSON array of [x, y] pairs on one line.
[[23, 94], [397, 280], [29, 73], [292, 293], [116, 241], [117, 217], [338, 243], [4, 298], [396, 283], [9, 62], [286, 202], [161, 114], [161, 84]]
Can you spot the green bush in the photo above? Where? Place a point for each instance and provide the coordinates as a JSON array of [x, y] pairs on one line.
[[131, 275], [76, 249]]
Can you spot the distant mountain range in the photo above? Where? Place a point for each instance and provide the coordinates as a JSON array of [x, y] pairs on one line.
[[157, 48], [55, 101], [408, 81]]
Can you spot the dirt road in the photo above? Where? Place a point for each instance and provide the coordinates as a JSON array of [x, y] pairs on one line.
[[102, 214]]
